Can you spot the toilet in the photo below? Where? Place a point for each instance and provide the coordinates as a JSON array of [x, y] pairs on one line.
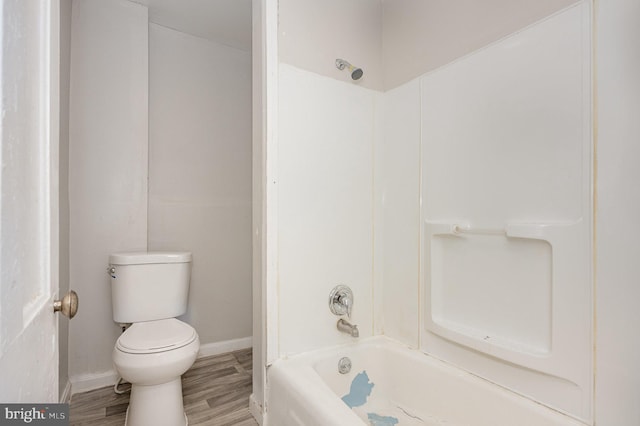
[[150, 289]]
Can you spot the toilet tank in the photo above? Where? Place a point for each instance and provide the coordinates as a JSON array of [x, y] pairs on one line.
[[148, 286]]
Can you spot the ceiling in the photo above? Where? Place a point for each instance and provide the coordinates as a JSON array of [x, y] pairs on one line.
[[226, 22]]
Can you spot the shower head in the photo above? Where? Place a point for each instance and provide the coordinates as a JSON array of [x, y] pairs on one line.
[[356, 73]]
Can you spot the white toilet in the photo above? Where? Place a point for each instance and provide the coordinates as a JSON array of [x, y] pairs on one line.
[[149, 290]]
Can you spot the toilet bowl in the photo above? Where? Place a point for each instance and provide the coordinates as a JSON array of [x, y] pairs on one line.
[[148, 290], [152, 356]]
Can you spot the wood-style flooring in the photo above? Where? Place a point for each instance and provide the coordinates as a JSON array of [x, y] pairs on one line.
[[215, 391]]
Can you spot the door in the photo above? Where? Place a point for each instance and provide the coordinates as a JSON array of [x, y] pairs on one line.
[[29, 200]]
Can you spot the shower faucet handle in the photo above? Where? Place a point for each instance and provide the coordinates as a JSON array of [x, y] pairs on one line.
[[341, 300]]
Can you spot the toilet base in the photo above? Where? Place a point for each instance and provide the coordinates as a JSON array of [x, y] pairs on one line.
[[126, 419], [158, 405]]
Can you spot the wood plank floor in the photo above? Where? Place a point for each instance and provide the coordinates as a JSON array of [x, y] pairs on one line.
[[215, 391]]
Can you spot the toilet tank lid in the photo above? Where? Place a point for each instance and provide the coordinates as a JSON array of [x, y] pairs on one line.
[[144, 257]]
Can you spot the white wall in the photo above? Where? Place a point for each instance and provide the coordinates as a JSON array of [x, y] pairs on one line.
[[393, 41], [327, 132], [474, 173], [506, 147], [180, 180], [305, 230], [107, 165], [313, 34], [421, 35], [411, 48], [325, 205], [227, 22], [618, 343], [396, 41], [398, 208], [617, 213], [200, 174]]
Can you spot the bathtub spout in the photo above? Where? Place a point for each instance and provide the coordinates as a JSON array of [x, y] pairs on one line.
[[345, 327]]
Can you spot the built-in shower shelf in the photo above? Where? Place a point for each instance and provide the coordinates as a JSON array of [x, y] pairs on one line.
[[498, 289], [546, 231], [487, 343]]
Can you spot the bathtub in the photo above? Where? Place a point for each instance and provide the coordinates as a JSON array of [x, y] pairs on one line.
[[390, 384]]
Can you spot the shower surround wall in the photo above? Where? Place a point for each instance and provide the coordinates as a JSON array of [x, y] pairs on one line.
[[326, 136], [330, 132], [325, 165], [179, 180], [507, 258]]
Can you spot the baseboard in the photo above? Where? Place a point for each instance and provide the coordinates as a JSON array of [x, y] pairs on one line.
[[87, 382], [255, 409], [66, 393], [217, 348]]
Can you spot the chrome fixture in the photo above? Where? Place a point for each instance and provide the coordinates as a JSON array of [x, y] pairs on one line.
[[344, 365], [348, 328], [341, 300], [356, 73]]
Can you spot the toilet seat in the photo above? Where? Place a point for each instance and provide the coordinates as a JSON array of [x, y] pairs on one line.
[[156, 336]]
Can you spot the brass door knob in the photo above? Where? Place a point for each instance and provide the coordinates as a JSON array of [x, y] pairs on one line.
[[68, 305]]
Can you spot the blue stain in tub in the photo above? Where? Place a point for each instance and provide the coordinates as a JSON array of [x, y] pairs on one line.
[[360, 390], [378, 420]]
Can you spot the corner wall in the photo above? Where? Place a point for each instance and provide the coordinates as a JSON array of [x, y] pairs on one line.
[[178, 180], [200, 176], [313, 34], [419, 36], [107, 168], [393, 41]]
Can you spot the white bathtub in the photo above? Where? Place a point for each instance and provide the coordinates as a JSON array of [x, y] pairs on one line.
[[409, 388]]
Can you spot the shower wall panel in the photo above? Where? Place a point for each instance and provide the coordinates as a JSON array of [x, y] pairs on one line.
[[507, 212], [325, 203], [397, 213]]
